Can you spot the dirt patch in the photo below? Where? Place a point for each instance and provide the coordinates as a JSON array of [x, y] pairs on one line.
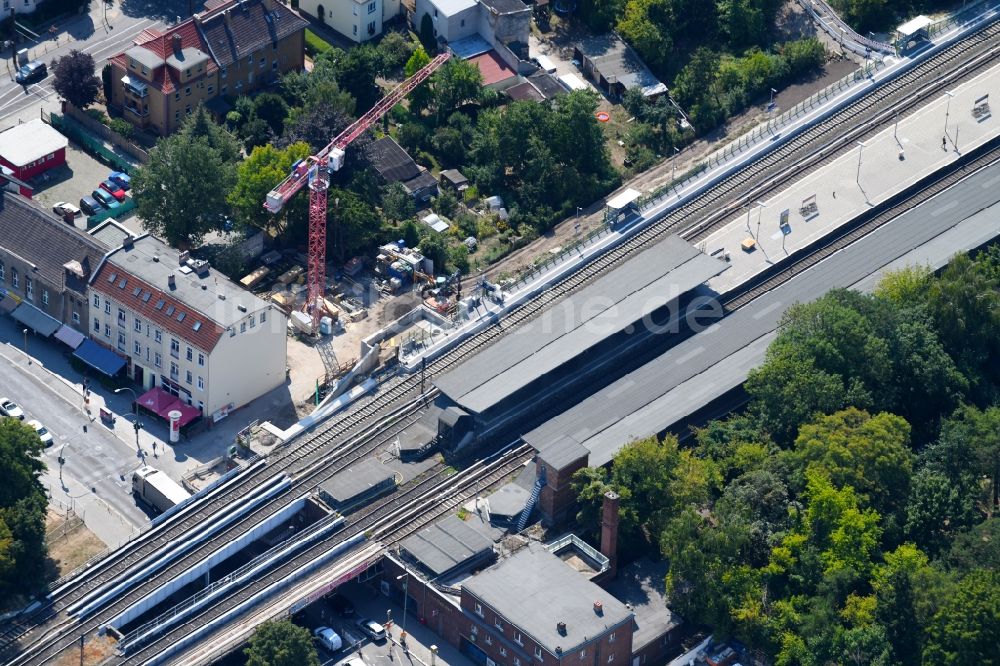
[[70, 542], [95, 651]]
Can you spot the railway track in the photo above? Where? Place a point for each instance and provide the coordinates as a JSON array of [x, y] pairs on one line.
[[408, 521], [396, 399], [389, 524]]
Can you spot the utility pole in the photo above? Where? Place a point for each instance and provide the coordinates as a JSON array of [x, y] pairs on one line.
[[861, 147], [26, 346]]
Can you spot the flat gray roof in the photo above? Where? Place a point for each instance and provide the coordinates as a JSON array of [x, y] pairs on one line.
[[356, 480], [618, 63], [144, 56], [578, 322], [641, 586], [446, 545], [705, 366], [215, 296], [534, 590]]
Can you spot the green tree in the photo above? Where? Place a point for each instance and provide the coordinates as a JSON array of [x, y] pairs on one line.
[[651, 38], [868, 453], [457, 81], [181, 193], [420, 98], [427, 37], [397, 205], [74, 79], [970, 438], [255, 177], [354, 224], [22, 511], [967, 628], [272, 109], [281, 643], [905, 287], [432, 246]]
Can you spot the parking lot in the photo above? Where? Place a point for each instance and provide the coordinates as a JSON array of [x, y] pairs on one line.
[[77, 178], [368, 603]]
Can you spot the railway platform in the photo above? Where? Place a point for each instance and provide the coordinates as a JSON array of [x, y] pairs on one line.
[[872, 172]]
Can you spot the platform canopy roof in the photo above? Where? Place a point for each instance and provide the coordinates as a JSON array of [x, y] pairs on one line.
[[577, 323], [913, 26]]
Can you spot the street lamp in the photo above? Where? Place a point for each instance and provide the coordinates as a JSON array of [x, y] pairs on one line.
[[405, 577], [26, 346], [135, 423], [947, 110], [760, 209], [861, 147], [672, 170]]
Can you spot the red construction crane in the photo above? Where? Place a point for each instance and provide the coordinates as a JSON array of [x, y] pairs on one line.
[[316, 170]]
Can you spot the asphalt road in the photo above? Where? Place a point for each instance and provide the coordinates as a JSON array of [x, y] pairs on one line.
[[105, 31], [96, 478]]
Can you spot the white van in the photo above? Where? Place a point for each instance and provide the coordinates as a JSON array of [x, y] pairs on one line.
[[545, 63], [328, 638]]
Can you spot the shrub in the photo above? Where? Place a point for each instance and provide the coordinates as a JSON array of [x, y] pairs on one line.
[[122, 127], [315, 45]]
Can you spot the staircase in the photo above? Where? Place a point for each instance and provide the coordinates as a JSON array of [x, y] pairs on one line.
[[522, 520]]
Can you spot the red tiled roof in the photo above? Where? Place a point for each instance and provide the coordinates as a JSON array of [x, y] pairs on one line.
[[205, 338], [164, 78], [492, 67]]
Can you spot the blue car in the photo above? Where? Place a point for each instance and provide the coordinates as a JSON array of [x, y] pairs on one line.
[[123, 179]]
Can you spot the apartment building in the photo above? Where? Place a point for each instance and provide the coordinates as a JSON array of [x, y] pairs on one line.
[[358, 20], [186, 328], [44, 267], [231, 48]]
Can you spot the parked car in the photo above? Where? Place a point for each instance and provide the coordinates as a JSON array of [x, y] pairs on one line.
[[90, 205], [123, 179], [106, 198], [31, 72], [114, 189], [10, 408], [64, 208], [372, 629], [43, 432], [340, 604], [328, 638]]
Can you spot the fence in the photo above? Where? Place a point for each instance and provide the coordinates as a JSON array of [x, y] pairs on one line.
[[79, 135], [105, 132], [126, 206]]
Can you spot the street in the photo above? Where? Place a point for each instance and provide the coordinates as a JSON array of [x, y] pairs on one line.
[[106, 30], [96, 479]]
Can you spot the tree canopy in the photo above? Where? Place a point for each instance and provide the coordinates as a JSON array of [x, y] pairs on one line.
[[74, 79], [281, 643], [22, 511]]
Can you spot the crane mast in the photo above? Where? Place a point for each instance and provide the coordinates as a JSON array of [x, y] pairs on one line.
[[315, 171]]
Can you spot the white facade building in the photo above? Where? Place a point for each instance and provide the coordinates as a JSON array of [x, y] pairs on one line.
[[185, 327], [358, 20], [20, 6]]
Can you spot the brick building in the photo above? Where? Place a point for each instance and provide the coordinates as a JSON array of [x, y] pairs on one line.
[[231, 48]]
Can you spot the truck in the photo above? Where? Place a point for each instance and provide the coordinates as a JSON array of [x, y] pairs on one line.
[[157, 489]]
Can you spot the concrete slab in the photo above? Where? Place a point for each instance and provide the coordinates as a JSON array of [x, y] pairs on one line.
[[870, 174]]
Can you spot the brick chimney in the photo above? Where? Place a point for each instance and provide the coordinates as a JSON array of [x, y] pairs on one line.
[[175, 43], [609, 531]]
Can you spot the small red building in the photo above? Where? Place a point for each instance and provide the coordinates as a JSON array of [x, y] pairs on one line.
[[30, 148]]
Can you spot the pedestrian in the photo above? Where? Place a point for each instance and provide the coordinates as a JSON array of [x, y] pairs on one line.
[[835, 194], [944, 142]]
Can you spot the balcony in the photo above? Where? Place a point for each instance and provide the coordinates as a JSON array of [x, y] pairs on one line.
[[135, 111], [135, 86]]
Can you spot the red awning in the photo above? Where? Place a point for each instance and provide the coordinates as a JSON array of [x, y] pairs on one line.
[[158, 401], [162, 403]]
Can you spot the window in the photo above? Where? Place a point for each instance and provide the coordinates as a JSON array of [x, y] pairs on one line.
[[518, 639], [107, 307], [583, 654], [489, 639], [250, 59], [3, 277], [371, 28], [188, 378], [157, 360], [463, 23], [355, 30], [107, 330], [158, 336], [177, 95], [274, 65], [211, 89], [138, 326], [479, 610], [435, 12], [29, 288], [222, 73], [201, 383], [253, 321], [243, 327], [263, 61], [201, 359], [263, 317], [503, 651], [177, 115], [199, 67], [137, 348], [190, 354], [223, 89], [13, 277], [517, 661], [497, 623], [121, 341], [611, 657], [97, 325], [187, 109], [187, 90], [175, 348], [121, 317], [76, 317], [175, 372], [144, 70], [538, 653], [474, 630], [45, 296], [187, 72], [611, 637], [371, 7]]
